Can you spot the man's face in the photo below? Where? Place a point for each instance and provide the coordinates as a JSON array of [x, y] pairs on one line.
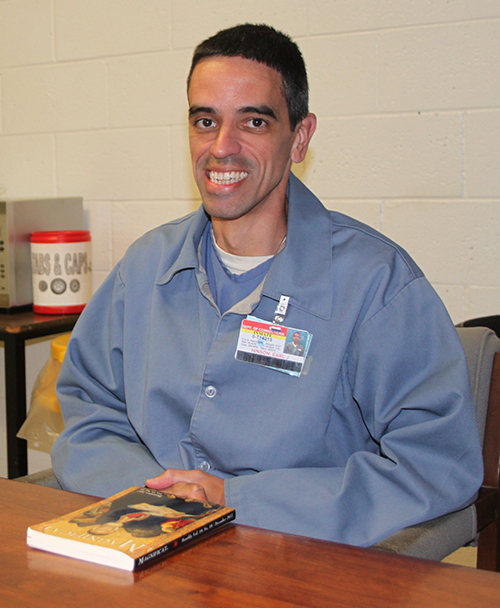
[[296, 338], [240, 137]]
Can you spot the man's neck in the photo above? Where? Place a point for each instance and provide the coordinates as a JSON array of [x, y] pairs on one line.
[[256, 236]]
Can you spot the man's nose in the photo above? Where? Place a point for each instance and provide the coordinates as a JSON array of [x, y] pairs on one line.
[[226, 142]]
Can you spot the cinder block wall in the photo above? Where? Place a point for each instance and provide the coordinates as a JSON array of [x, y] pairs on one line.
[[407, 94]]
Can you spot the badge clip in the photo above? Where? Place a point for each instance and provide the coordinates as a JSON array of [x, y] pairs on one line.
[[280, 312]]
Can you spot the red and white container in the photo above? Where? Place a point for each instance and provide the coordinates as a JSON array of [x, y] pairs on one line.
[[61, 265]]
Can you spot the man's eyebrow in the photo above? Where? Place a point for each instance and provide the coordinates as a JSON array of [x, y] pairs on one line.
[[200, 110], [263, 110]]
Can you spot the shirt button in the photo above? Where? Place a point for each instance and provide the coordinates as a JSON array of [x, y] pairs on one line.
[[205, 466], [210, 392]]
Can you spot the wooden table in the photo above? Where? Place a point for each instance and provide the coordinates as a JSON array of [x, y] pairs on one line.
[[238, 567], [15, 329]]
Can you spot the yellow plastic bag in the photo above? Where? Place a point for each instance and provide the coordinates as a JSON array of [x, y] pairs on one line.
[[44, 421]]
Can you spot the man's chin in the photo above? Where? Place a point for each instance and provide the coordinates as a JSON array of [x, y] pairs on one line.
[[223, 208]]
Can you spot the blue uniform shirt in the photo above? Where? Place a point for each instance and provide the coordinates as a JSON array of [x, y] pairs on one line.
[[378, 435]]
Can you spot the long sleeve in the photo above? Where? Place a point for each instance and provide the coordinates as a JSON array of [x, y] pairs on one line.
[[99, 452]]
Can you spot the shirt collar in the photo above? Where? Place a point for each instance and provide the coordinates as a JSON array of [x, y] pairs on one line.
[[303, 270], [189, 255]]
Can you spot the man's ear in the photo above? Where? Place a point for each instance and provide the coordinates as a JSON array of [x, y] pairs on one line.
[[304, 131]]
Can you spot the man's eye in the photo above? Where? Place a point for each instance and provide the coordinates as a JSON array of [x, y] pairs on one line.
[[205, 123], [256, 123]]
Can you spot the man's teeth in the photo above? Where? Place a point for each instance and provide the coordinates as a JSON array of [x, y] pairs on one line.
[[227, 177]]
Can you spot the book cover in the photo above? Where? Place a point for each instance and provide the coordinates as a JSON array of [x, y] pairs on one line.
[[131, 529]]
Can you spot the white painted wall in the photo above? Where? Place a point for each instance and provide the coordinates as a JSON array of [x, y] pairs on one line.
[[407, 92]]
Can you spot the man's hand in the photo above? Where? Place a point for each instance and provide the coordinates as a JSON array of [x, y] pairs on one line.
[[190, 484]]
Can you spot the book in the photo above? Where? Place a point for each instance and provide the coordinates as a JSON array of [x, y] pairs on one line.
[[131, 529]]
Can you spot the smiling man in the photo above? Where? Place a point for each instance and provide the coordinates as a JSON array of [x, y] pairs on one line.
[[179, 373]]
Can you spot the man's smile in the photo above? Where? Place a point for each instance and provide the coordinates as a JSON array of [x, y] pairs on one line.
[[226, 177]]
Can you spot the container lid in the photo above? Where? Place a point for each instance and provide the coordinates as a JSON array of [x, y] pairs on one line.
[[60, 236], [58, 347]]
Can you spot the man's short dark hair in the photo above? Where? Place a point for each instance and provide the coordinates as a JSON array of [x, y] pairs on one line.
[[266, 45]]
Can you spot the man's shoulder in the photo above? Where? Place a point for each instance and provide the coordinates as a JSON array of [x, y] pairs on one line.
[[351, 239], [158, 249], [170, 233], [366, 244], [164, 240]]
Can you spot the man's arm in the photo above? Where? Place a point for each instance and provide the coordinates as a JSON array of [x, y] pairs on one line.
[[99, 452], [410, 382]]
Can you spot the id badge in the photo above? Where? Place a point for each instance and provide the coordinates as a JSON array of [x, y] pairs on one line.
[[278, 347]]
